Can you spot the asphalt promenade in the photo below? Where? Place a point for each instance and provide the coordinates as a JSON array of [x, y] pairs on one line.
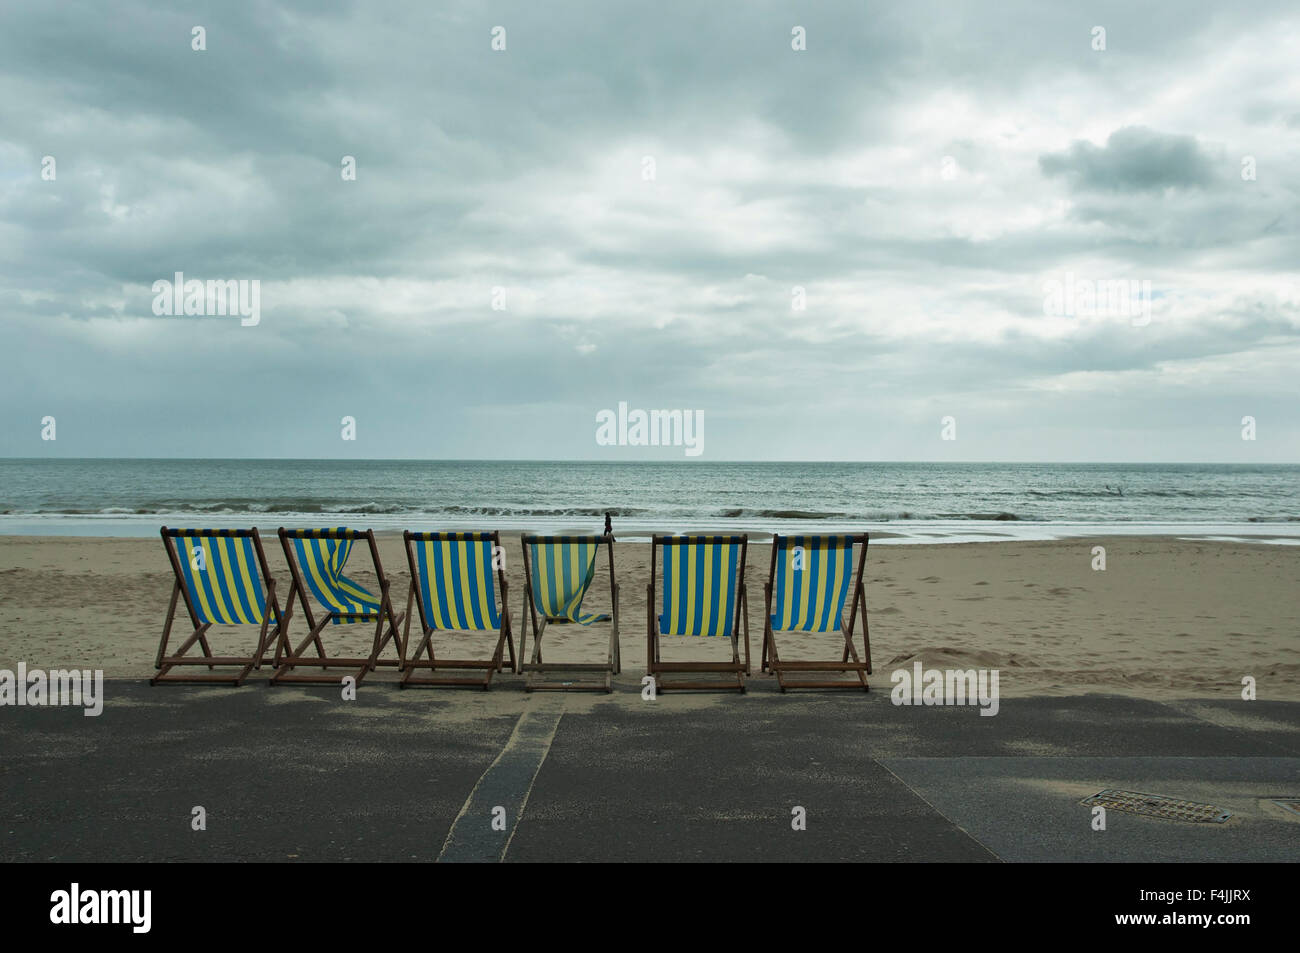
[[299, 774]]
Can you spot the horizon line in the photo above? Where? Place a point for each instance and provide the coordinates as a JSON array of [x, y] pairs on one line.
[[674, 461]]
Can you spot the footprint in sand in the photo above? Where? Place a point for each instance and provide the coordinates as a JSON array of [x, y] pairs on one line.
[[930, 579]]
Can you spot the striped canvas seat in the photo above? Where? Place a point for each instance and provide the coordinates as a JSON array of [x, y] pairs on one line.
[[558, 571], [322, 561], [807, 591], [222, 577], [562, 569], [700, 586], [317, 559], [455, 581], [813, 574], [703, 595]]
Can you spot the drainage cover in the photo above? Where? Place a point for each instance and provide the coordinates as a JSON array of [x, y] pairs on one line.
[[1291, 804], [1157, 805]]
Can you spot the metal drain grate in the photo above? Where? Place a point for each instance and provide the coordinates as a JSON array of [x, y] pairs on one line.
[[1291, 804], [1157, 805]]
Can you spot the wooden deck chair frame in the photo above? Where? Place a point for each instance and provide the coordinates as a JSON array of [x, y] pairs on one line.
[[289, 657], [656, 667], [165, 662], [850, 662], [536, 667], [489, 667]]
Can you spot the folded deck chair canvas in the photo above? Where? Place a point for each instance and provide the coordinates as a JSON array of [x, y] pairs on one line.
[[703, 595], [317, 558], [558, 570], [222, 577], [806, 591], [458, 585]]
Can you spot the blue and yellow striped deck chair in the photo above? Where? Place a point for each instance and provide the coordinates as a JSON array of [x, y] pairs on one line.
[[703, 595], [558, 571], [222, 576], [805, 592], [455, 582], [317, 558]]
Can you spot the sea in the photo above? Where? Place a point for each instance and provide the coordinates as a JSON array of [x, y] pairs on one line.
[[897, 503]]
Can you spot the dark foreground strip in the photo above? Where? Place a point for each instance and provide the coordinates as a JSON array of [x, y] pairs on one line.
[[1181, 901]]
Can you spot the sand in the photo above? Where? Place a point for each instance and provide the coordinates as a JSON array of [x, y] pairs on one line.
[[1168, 618]]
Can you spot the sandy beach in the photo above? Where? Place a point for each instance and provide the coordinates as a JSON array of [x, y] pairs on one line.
[[1167, 618]]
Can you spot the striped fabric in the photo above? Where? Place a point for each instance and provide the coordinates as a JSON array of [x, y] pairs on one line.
[[700, 585], [321, 562], [562, 569], [813, 574], [457, 584], [222, 576]]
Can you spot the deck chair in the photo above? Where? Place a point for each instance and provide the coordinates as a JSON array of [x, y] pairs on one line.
[[454, 585], [222, 576], [805, 592], [703, 595], [317, 558], [558, 570]]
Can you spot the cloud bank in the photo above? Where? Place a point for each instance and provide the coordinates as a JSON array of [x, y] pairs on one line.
[[826, 251]]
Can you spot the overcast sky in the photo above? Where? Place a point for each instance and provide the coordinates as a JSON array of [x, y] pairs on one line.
[[923, 172]]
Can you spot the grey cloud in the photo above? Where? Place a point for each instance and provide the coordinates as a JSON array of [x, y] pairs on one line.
[[1134, 159]]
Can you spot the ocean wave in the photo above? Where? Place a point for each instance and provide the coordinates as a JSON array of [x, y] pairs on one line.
[[339, 508], [802, 515], [541, 511], [299, 509], [333, 507], [873, 516], [1126, 492]]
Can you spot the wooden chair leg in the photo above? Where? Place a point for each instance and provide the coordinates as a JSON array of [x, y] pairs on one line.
[[650, 630], [523, 632], [745, 609], [618, 639], [425, 643], [167, 626], [207, 649], [866, 630]]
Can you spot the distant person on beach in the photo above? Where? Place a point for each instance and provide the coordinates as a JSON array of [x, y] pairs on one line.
[[609, 526]]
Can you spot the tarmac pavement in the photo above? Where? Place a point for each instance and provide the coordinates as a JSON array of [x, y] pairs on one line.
[[299, 774]]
